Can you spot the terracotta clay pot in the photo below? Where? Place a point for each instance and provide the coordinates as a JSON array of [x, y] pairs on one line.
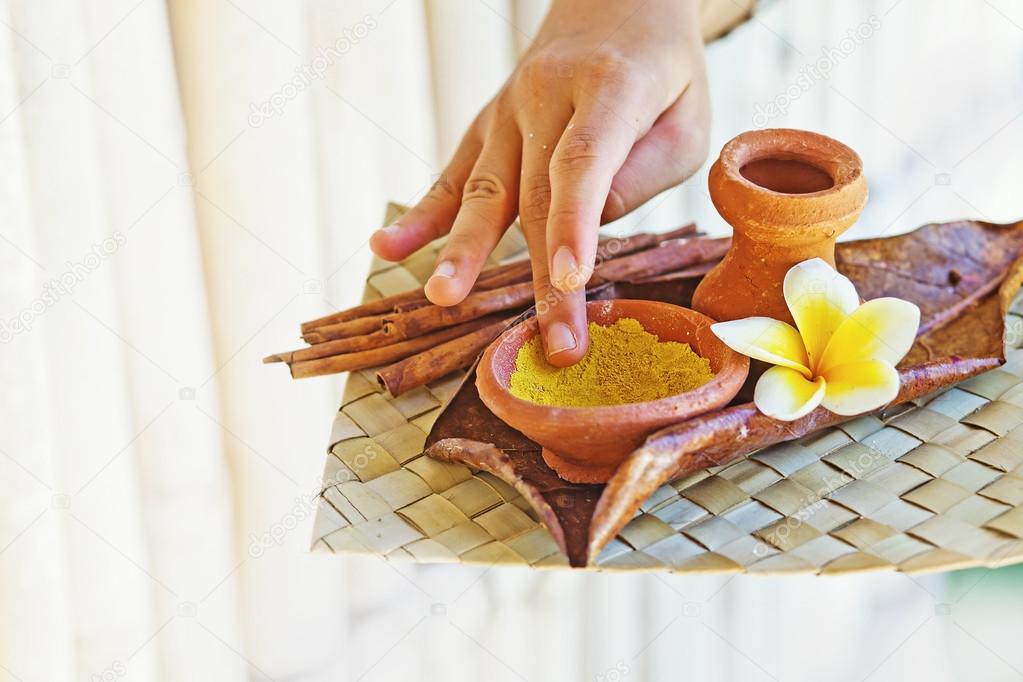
[[586, 444], [788, 195]]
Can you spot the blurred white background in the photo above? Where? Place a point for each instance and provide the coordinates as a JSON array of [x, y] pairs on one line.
[[160, 232]]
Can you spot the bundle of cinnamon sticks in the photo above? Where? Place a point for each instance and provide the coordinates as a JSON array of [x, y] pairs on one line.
[[414, 342]]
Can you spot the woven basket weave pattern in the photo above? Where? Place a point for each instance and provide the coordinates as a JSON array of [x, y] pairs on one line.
[[936, 484]]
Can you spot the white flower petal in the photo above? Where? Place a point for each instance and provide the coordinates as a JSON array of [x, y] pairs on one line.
[[767, 339], [819, 299], [858, 387], [882, 329], [785, 394]]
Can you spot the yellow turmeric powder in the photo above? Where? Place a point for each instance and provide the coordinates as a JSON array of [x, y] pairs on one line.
[[624, 364]]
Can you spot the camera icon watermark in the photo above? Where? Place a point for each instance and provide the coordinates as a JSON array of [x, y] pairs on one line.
[[619, 672], [1014, 332], [186, 393], [114, 671], [943, 179]]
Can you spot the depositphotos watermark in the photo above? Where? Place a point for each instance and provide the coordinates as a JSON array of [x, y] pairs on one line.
[[113, 672], [305, 506], [307, 74], [75, 272], [816, 71], [619, 672], [606, 250], [864, 463]]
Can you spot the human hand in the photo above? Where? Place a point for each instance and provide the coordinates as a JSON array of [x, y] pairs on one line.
[[608, 107]]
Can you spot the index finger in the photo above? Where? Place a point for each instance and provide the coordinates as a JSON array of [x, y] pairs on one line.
[[594, 146], [561, 316]]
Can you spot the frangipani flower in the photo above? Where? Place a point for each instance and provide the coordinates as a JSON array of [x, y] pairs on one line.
[[840, 354]]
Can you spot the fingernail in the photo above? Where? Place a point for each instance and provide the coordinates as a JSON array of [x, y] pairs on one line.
[[565, 269], [444, 269], [559, 338]]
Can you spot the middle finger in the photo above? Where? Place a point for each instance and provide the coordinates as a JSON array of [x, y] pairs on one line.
[[561, 315]]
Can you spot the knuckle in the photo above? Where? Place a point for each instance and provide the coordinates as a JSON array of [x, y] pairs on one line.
[[443, 190], [571, 164], [535, 199], [539, 71], [483, 187], [567, 215], [608, 66], [579, 149], [581, 141]]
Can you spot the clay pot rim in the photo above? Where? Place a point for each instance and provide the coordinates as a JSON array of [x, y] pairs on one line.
[[796, 218], [841, 163], [732, 364]]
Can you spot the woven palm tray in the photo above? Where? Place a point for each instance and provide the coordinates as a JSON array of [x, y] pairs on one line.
[[936, 484]]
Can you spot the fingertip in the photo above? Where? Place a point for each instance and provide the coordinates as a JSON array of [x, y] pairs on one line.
[[445, 287], [386, 243], [445, 292], [563, 345]]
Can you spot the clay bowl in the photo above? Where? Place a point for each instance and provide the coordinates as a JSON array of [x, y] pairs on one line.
[[586, 444]]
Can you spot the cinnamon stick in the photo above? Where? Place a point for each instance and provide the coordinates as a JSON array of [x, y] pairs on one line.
[[668, 257], [698, 270], [346, 362], [658, 260], [501, 275], [377, 307], [411, 305], [336, 347], [344, 330], [423, 320], [429, 365]]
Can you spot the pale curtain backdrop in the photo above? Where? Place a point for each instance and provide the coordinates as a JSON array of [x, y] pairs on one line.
[[161, 230]]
